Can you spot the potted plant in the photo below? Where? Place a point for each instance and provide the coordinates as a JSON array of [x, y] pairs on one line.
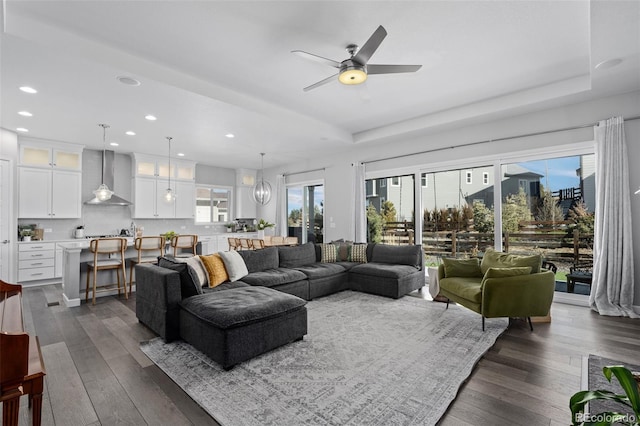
[[168, 236], [26, 234], [630, 383], [230, 226], [262, 225]]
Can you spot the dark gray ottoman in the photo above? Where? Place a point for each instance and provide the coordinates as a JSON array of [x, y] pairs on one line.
[[235, 325]]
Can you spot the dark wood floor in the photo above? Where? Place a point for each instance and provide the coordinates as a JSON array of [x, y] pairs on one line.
[[96, 373]]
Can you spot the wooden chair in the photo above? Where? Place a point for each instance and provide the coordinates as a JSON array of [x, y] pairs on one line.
[[257, 244], [580, 272], [144, 245], [234, 243], [187, 241], [245, 244], [106, 246]]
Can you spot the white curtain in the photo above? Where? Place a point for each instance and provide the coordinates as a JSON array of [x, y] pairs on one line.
[[612, 287], [281, 207], [359, 197]]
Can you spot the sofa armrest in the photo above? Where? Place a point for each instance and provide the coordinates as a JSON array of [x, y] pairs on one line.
[[440, 272], [159, 286], [518, 296]]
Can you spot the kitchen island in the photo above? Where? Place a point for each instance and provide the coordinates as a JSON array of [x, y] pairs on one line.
[[76, 254]]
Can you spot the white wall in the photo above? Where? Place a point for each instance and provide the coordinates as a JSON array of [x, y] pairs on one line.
[[9, 152], [338, 170]]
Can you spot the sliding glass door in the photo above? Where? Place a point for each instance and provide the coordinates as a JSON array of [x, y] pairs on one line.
[[305, 211], [391, 210]]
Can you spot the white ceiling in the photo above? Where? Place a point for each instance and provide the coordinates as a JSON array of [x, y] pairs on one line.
[[209, 68]]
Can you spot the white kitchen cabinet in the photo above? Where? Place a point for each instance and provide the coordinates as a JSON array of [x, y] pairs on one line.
[[151, 181], [36, 261], [49, 180], [47, 193]]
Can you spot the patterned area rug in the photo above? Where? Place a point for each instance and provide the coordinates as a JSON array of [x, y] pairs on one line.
[[366, 360]]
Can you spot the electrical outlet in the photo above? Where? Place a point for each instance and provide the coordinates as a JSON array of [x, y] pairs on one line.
[[206, 227], [48, 230]]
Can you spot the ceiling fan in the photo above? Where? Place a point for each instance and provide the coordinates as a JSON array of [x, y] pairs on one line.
[[355, 69]]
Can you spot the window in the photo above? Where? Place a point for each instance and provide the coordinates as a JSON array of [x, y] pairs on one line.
[[424, 180], [305, 209], [390, 215], [213, 204], [383, 183], [468, 175], [485, 178]]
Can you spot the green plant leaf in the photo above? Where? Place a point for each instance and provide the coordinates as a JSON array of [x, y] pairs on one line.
[[628, 383]]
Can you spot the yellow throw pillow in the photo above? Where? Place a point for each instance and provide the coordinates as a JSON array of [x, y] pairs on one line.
[[215, 269]]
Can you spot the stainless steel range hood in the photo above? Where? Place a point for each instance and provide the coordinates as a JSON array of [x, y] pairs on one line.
[[108, 178]]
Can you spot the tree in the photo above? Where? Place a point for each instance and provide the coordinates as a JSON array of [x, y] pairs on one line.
[[388, 211], [583, 221], [375, 223], [548, 209], [482, 217], [295, 217], [515, 209]]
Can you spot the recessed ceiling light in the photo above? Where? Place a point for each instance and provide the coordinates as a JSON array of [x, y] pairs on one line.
[[22, 129], [150, 117], [25, 113], [230, 135], [180, 154], [28, 89], [609, 63], [129, 81], [114, 144], [130, 133]]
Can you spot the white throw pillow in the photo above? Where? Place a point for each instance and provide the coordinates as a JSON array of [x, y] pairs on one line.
[[198, 267], [234, 264]]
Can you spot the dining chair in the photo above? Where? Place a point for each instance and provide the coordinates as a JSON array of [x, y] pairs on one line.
[[245, 244], [234, 243], [257, 243], [143, 246], [106, 246]]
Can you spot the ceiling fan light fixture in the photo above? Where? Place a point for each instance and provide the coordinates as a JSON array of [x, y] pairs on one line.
[[352, 74]]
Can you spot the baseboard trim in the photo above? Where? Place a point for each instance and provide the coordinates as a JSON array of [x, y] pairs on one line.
[[70, 303]]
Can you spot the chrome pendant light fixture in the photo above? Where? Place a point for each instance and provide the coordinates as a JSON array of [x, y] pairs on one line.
[[103, 193], [169, 195], [262, 188]]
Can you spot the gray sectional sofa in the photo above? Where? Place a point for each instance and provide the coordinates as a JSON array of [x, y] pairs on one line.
[[236, 321]]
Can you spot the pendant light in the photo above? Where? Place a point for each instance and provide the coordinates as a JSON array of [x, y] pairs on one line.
[[169, 196], [103, 193], [262, 188]]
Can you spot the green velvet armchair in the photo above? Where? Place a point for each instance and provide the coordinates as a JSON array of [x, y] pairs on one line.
[[503, 285]]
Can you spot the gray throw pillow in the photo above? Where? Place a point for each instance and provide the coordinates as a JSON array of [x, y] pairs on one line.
[[189, 284], [198, 268], [234, 264]]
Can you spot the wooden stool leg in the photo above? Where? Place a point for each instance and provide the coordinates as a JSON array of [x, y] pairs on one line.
[[95, 280], [124, 277], [86, 293]]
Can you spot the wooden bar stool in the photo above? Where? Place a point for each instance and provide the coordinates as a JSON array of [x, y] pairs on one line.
[[106, 246], [186, 241], [234, 243], [144, 245], [257, 244], [245, 244]]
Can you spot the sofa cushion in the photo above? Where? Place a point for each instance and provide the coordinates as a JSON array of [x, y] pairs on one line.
[[321, 270], [225, 286], [241, 306], [234, 264], [357, 253], [465, 268], [215, 268], [348, 265], [260, 260], [292, 257], [198, 267], [397, 255], [506, 272], [496, 259], [189, 284], [328, 253], [274, 277], [467, 288], [383, 270]]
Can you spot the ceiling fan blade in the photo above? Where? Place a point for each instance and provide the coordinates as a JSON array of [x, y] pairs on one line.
[[321, 82], [391, 69], [316, 58], [369, 48]]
